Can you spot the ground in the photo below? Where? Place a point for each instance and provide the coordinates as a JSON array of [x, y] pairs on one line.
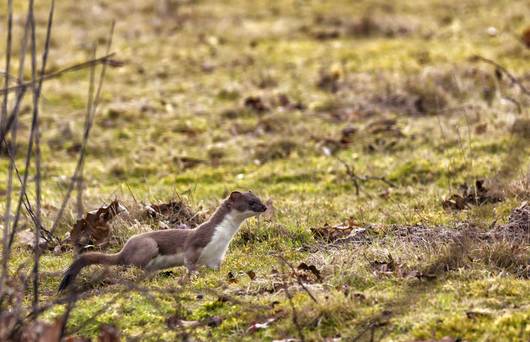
[[279, 98]]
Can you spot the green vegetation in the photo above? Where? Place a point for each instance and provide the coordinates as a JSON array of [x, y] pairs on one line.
[[277, 97]]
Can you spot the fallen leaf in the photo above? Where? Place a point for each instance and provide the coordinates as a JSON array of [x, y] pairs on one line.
[[94, 227], [348, 231], [251, 274], [471, 195], [525, 37], [256, 104], [108, 333], [231, 278], [310, 268]]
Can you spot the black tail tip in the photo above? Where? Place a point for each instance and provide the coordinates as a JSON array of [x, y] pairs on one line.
[[67, 279]]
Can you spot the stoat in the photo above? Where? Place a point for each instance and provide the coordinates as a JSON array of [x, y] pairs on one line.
[[203, 245]]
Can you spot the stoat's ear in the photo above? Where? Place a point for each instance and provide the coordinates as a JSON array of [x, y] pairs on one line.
[[235, 195]]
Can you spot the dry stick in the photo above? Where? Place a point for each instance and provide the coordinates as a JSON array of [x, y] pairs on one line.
[[88, 125], [90, 103], [70, 306], [3, 113], [106, 60], [11, 125], [23, 85], [505, 71], [36, 250], [293, 309], [27, 205], [298, 278], [357, 179], [37, 87]]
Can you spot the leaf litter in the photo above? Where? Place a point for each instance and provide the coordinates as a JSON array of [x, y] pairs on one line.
[[94, 228]]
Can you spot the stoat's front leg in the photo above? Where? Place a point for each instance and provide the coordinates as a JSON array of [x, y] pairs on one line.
[[190, 261]]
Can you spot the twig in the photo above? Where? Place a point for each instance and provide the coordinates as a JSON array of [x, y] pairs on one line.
[[90, 103], [88, 125], [298, 278], [3, 113], [37, 87], [293, 309], [12, 121], [505, 71], [358, 179], [105, 60]]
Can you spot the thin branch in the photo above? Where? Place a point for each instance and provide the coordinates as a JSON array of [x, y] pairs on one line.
[[357, 180], [90, 103], [505, 71], [88, 125], [37, 87], [298, 278], [11, 126], [3, 113], [105, 60], [293, 308]]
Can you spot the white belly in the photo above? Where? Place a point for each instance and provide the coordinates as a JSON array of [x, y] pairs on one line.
[[165, 261], [213, 253]]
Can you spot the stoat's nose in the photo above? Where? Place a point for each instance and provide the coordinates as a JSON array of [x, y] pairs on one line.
[[261, 208]]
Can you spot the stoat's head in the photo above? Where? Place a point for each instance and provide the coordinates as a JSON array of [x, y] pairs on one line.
[[245, 204]]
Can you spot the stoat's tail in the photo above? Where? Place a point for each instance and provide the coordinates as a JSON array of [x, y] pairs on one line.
[[86, 260]]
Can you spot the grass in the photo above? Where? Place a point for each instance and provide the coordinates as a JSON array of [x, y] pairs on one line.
[[188, 70]]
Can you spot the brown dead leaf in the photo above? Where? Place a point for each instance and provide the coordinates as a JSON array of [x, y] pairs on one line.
[[94, 229], [329, 80], [525, 37], [108, 333], [330, 233], [471, 195], [311, 269], [256, 104], [251, 274], [481, 128], [231, 277]]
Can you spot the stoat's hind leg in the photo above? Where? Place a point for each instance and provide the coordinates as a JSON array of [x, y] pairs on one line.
[[139, 252]]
